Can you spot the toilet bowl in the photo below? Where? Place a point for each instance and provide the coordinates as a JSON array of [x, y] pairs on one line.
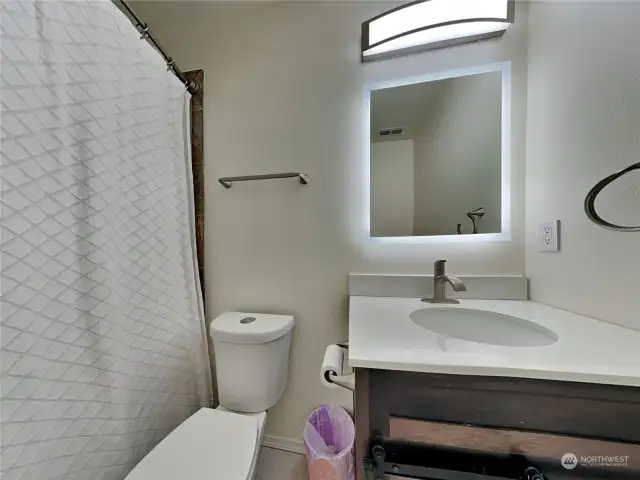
[[252, 362]]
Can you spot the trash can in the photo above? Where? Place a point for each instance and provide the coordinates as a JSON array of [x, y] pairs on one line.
[[329, 435]]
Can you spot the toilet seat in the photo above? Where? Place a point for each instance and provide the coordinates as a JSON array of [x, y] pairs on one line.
[[209, 445]]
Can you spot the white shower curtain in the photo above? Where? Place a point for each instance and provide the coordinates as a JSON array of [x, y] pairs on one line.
[[102, 330]]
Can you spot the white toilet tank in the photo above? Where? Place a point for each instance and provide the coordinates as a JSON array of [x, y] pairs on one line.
[[252, 359]]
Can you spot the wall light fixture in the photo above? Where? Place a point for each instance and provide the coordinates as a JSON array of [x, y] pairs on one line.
[[430, 24]]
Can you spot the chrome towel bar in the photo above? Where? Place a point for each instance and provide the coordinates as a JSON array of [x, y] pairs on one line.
[[227, 181]]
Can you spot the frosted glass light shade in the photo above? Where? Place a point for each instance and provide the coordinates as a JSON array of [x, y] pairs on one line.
[[429, 24]]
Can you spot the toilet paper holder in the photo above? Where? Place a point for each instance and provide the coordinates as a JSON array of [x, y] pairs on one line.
[[344, 381], [335, 375]]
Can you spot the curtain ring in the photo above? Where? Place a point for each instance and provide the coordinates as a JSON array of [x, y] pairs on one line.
[[144, 33]]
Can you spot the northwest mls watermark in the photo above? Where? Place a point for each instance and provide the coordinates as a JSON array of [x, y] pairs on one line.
[[571, 461]]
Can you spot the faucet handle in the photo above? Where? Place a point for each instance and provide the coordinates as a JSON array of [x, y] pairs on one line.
[[438, 267]]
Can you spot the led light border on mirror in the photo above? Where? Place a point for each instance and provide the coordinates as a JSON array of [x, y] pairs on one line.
[[430, 24], [505, 170]]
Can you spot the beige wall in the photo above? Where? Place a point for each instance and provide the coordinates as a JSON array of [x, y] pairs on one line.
[[458, 157], [583, 124], [285, 92], [392, 199]]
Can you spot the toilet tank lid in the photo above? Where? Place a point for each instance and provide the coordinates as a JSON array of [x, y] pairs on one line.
[[243, 327]]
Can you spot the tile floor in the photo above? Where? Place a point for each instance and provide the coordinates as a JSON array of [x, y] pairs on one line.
[[278, 465]]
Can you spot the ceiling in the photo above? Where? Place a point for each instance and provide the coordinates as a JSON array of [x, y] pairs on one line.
[[406, 106]]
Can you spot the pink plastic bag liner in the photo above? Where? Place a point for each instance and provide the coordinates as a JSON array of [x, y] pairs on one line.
[[329, 435]]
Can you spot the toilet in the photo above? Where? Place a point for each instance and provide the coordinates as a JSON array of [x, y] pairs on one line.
[[252, 363]]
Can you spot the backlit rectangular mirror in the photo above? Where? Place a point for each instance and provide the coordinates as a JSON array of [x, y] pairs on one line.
[[438, 162]]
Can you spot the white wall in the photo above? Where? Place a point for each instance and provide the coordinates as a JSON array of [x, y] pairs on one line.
[[285, 91], [458, 157], [583, 124], [392, 188]]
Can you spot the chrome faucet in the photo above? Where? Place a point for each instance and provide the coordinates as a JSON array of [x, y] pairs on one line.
[[440, 280]]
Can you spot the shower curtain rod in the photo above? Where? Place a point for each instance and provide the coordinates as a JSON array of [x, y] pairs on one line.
[[145, 32]]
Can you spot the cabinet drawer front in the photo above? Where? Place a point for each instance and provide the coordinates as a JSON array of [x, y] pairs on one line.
[[575, 409], [592, 455]]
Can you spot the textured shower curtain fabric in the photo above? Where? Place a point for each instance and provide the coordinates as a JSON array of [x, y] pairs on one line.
[[102, 330]]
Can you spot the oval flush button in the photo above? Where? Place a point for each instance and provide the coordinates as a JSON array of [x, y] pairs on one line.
[[247, 320]]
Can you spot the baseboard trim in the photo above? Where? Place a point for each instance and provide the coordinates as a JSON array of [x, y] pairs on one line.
[[286, 444]]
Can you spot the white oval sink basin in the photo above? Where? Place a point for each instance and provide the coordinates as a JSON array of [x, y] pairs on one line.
[[481, 326]]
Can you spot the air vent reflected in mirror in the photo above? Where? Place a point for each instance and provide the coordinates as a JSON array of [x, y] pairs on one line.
[[386, 132]]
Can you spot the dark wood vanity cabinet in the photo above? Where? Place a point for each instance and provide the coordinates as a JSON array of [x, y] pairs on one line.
[[533, 422]]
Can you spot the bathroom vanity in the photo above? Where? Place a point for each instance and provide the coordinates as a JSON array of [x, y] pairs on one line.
[[492, 389], [495, 387]]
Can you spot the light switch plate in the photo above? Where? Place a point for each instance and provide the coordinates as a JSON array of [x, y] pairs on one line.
[[549, 236]]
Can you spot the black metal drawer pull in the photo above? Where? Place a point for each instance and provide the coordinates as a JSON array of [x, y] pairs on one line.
[[425, 462]]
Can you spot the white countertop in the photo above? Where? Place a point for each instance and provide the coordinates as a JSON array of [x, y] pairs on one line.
[[382, 336]]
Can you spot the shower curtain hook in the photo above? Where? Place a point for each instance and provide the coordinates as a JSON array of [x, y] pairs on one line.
[[144, 33]]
